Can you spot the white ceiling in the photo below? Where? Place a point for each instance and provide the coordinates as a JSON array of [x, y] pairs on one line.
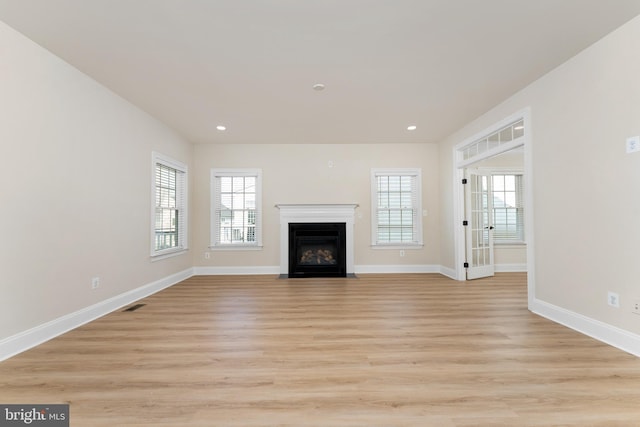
[[251, 64]]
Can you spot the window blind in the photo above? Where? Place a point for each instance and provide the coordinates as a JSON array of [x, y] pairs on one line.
[[170, 206], [396, 216], [508, 208], [236, 208]]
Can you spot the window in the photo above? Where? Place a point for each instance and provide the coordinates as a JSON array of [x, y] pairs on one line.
[[501, 137], [169, 213], [508, 208], [236, 208], [396, 208]]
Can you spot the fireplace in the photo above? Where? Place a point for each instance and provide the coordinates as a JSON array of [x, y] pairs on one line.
[[317, 246], [317, 250]]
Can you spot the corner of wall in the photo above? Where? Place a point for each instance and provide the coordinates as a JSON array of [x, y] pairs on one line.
[[26, 340], [608, 334]]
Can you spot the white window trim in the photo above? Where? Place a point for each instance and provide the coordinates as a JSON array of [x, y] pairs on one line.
[[215, 172], [417, 172], [156, 255]]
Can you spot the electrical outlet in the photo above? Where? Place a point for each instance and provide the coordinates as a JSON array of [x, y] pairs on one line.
[[207, 255], [633, 144], [401, 252], [95, 283], [613, 299], [635, 308]]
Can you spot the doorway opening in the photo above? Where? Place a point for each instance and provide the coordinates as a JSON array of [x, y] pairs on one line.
[[495, 166]]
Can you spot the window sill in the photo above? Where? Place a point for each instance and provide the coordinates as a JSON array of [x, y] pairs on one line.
[[165, 255], [510, 245], [236, 248], [407, 246]]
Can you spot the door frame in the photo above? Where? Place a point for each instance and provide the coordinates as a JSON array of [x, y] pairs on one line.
[[459, 165]]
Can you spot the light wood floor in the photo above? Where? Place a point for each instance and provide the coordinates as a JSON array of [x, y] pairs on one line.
[[379, 350]]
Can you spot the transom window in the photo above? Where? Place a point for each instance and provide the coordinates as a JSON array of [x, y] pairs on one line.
[[169, 213], [505, 135], [396, 207], [236, 210]]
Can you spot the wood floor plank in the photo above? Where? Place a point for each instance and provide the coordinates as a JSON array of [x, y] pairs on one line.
[[378, 350]]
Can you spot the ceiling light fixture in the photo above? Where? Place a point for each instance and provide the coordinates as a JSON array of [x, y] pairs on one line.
[[318, 86], [412, 127], [221, 127]]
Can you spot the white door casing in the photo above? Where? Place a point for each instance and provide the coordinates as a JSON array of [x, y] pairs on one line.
[[462, 161]]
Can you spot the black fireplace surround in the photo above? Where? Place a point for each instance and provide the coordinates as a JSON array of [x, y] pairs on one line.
[[317, 249]]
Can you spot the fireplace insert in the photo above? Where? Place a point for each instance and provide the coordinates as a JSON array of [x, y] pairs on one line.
[[317, 250]]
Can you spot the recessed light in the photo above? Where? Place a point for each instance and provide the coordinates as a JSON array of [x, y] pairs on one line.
[[221, 127], [412, 127], [318, 86]]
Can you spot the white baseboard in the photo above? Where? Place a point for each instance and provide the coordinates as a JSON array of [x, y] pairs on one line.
[[248, 270], [511, 268], [35, 336], [398, 269], [359, 269], [616, 337], [449, 272]]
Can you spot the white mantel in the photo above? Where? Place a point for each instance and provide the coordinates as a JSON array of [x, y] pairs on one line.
[[315, 213]]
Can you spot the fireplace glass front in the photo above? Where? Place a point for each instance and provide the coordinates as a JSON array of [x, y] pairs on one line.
[[317, 250]]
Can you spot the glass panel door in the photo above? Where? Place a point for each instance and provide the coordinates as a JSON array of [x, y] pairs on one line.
[[479, 231]]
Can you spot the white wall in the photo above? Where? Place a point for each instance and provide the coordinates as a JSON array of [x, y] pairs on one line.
[[75, 189], [300, 174], [586, 190]]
